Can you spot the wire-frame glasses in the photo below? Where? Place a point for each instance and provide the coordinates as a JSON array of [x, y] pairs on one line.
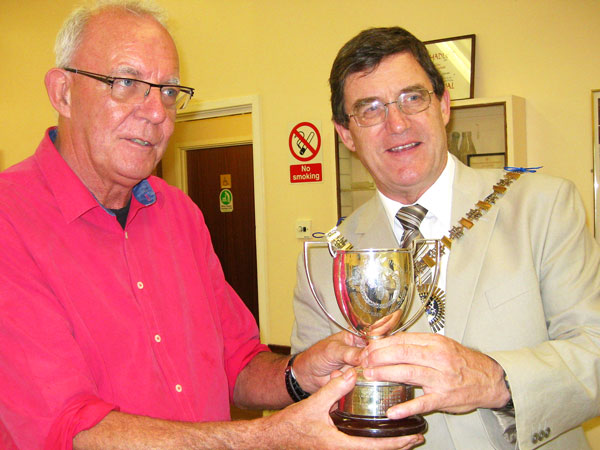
[[373, 111], [131, 90]]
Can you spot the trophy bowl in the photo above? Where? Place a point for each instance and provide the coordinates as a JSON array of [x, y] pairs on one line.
[[374, 290]]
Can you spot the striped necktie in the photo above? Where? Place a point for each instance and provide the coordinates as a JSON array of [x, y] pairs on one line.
[[410, 217]]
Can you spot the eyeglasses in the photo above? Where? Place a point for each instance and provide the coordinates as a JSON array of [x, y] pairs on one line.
[[372, 112], [130, 90]]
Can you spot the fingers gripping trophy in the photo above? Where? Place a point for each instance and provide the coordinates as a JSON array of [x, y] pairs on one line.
[[374, 289]]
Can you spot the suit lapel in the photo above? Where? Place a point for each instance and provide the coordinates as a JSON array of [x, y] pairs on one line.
[[468, 252]]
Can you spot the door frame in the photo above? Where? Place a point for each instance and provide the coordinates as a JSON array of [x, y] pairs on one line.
[[197, 110]]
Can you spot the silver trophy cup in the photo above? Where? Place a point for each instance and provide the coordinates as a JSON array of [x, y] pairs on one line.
[[374, 289]]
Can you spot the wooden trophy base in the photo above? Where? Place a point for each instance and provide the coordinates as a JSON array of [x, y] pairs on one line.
[[378, 427]]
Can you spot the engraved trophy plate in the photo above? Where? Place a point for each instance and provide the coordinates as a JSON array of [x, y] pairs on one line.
[[374, 289]]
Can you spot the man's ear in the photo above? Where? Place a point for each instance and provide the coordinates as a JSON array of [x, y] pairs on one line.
[[58, 86], [345, 135]]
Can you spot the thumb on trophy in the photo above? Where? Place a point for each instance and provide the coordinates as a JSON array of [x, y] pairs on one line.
[[339, 385]]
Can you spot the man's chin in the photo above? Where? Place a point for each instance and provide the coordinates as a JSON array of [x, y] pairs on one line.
[[135, 175]]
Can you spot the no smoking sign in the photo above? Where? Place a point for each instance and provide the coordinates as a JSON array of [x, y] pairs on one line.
[[304, 144]]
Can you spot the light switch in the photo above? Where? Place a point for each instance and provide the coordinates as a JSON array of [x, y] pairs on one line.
[[303, 229]]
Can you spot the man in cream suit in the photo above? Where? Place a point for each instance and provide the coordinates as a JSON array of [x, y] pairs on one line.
[[517, 363]]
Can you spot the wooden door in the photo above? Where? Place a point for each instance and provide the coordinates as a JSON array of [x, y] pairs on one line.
[[232, 229]]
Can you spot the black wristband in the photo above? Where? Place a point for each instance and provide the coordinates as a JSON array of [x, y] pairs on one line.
[[291, 384]]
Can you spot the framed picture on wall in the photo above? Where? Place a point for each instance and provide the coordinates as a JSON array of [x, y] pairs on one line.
[[455, 59], [596, 150]]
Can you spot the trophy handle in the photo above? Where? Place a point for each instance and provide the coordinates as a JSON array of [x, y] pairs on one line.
[[431, 260], [308, 244]]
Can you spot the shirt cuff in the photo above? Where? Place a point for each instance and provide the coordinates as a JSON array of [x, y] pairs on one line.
[[508, 424], [81, 413]]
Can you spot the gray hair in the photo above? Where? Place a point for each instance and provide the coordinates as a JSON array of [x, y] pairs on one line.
[[70, 35]]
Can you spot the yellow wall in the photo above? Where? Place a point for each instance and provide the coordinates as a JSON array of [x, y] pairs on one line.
[[542, 50]]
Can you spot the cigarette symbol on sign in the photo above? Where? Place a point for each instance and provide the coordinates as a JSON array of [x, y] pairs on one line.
[[301, 146], [304, 141]]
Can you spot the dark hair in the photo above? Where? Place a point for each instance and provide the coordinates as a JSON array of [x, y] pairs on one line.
[[365, 51]]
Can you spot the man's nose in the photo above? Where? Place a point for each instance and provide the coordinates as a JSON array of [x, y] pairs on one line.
[[152, 107], [396, 120]]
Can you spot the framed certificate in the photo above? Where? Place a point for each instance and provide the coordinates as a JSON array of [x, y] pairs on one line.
[[455, 59]]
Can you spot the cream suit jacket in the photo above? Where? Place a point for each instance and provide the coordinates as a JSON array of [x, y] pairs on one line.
[[523, 286]]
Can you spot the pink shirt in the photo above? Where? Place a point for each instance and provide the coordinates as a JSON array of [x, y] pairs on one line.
[[95, 318]]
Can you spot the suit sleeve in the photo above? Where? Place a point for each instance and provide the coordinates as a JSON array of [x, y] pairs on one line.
[[555, 385]]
